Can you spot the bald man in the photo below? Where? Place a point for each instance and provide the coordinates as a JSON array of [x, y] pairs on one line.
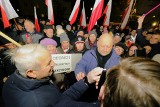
[[103, 56]]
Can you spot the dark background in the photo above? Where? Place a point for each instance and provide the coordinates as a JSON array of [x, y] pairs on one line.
[[62, 10]]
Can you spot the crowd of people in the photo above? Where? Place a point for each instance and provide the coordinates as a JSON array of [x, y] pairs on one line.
[[118, 68]]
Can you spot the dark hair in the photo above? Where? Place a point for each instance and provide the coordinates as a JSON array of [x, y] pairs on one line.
[[135, 82]]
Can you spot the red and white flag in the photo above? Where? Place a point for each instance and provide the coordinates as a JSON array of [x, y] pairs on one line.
[[83, 17], [126, 15], [36, 20], [50, 11], [74, 13], [107, 13], [96, 14], [7, 12]]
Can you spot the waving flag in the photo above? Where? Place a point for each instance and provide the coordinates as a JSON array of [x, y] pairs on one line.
[[36, 21], [107, 13], [74, 13], [126, 15], [83, 17], [50, 11], [7, 12], [96, 14]]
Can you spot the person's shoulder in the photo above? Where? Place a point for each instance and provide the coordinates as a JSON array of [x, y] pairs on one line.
[[114, 55]]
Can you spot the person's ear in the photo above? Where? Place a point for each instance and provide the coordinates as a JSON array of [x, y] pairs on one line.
[[31, 74], [44, 30], [101, 93]]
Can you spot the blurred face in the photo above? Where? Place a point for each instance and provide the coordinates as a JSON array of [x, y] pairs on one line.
[[52, 49], [65, 44], [119, 50], [148, 36], [133, 33], [42, 22], [80, 33], [69, 28], [116, 39], [105, 46], [132, 50], [79, 46], [154, 39], [46, 65], [92, 38], [49, 32], [29, 26]]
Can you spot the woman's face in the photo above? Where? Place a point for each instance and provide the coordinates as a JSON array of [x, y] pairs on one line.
[[92, 38], [132, 50], [52, 49], [79, 46]]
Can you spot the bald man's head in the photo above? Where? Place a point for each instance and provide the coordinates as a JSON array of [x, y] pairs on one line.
[[105, 44]]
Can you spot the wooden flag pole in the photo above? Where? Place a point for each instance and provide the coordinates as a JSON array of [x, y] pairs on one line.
[[10, 39], [16, 23]]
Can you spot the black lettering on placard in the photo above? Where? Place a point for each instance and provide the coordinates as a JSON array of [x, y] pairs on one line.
[[61, 57]]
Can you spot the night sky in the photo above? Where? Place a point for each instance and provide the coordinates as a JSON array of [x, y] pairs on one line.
[[63, 8]]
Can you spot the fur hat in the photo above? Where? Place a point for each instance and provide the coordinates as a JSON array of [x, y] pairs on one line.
[[93, 32], [48, 41], [79, 39]]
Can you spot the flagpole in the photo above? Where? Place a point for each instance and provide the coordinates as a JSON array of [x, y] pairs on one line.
[[152, 10], [16, 23], [10, 39]]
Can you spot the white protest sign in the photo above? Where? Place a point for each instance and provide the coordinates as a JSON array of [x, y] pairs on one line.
[[65, 62]]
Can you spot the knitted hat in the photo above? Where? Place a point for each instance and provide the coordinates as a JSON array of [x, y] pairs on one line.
[[63, 37], [58, 26], [79, 39], [48, 27], [48, 41], [93, 32], [68, 27], [122, 45]]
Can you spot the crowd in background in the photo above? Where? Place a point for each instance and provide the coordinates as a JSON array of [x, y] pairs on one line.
[[67, 39]]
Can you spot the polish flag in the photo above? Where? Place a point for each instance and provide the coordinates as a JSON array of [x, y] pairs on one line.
[[126, 15], [7, 12], [96, 14], [36, 21], [83, 17], [74, 13], [107, 13], [50, 11]]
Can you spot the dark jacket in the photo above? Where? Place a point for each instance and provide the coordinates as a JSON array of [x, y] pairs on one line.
[[70, 97], [22, 92], [155, 48]]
